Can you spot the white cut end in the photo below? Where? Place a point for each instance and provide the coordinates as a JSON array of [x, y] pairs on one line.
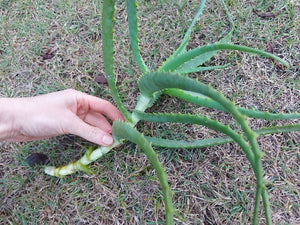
[[49, 170]]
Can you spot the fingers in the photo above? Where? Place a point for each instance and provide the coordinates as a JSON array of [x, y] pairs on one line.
[[98, 120], [89, 132], [102, 106], [88, 118]]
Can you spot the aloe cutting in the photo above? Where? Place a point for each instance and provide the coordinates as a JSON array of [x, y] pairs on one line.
[[171, 78]]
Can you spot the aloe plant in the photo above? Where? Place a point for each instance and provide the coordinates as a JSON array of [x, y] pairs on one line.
[[170, 78]]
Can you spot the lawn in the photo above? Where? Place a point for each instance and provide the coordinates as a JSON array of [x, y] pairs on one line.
[[47, 46]]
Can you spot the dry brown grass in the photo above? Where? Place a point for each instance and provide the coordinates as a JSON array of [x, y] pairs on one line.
[[212, 185]]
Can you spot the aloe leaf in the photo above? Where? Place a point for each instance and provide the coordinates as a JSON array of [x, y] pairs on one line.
[[179, 60], [168, 143], [156, 82], [207, 142], [159, 81], [133, 34], [199, 69], [278, 129], [107, 48], [194, 98], [182, 48], [228, 15], [199, 60], [202, 120], [193, 64], [122, 130], [267, 115], [204, 101]]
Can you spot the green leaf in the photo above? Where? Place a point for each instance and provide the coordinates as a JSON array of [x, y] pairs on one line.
[[228, 15], [193, 64], [152, 83], [107, 48], [181, 144], [201, 59], [200, 69], [194, 98], [179, 60], [278, 129], [122, 130], [182, 48], [202, 120], [204, 101], [133, 34], [187, 144], [156, 82]]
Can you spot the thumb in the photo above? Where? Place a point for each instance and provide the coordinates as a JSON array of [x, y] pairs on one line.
[[90, 133]]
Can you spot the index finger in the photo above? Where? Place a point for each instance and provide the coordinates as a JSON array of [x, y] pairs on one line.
[[102, 106]]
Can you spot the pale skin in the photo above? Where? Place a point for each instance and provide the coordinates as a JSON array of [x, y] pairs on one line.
[[57, 113]]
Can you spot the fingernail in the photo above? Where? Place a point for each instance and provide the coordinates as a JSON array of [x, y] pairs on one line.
[[108, 140]]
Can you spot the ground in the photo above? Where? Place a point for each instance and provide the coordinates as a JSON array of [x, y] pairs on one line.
[[47, 46]]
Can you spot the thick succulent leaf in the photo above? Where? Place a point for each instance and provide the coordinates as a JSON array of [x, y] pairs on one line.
[[201, 59], [122, 130], [196, 62], [107, 34], [107, 48], [279, 129], [182, 144], [182, 48], [199, 69], [202, 120], [194, 97], [193, 64], [133, 34], [228, 15], [152, 83], [156, 82], [179, 60], [203, 101]]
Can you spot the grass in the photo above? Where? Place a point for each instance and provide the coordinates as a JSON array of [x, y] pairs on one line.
[[211, 185]]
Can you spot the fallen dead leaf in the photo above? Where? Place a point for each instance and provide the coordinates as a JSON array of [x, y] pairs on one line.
[[48, 53], [101, 79]]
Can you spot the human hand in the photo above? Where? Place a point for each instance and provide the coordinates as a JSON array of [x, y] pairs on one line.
[[63, 112]]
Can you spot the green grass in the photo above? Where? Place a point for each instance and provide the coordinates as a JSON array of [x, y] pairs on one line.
[[215, 182]]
